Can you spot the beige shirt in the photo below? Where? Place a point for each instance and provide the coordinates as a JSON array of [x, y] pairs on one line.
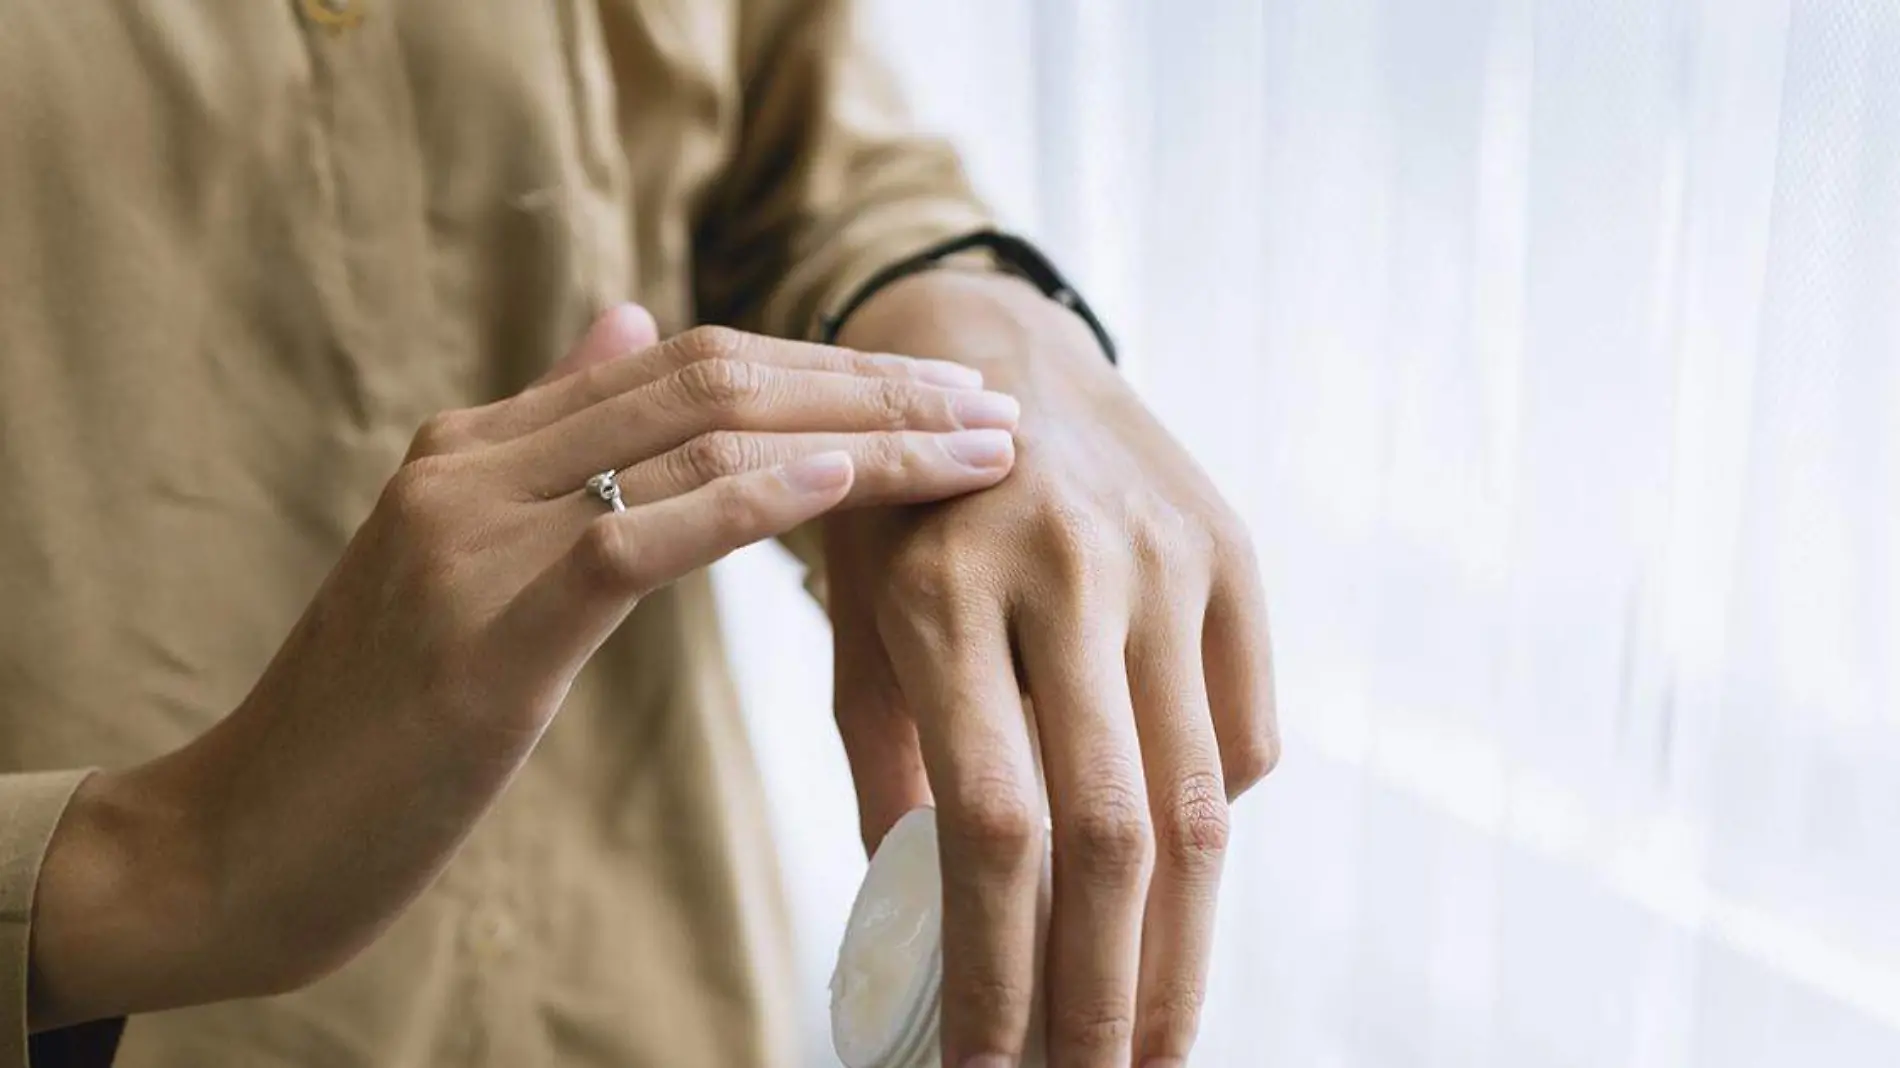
[[245, 248]]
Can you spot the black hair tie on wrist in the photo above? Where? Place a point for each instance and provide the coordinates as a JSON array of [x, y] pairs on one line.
[[1013, 255]]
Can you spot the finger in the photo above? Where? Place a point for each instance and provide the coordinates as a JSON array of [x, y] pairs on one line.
[[957, 679], [605, 379], [896, 467], [619, 331], [1189, 809], [874, 721], [880, 739], [1238, 658], [571, 607], [1098, 799], [729, 395]]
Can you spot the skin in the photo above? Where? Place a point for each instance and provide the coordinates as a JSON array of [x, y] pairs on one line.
[[438, 650], [1105, 586]]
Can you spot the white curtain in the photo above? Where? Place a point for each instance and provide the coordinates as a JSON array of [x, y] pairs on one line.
[[1552, 348]]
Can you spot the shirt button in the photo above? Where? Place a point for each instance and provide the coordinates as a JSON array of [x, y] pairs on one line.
[[334, 15], [491, 932]]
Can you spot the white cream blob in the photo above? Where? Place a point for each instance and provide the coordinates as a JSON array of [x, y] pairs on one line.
[[885, 988]]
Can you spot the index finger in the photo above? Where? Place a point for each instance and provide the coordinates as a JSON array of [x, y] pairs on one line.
[[558, 396], [976, 750], [616, 332]]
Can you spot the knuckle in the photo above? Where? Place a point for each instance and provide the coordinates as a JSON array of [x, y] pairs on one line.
[[1167, 544], [987, 997], [442, 433], [738, 507], [1152, 549], [995, 828], [608, 557], [888, 453], [1172, 1014], [938, 595], [718, 454], [1195, 829], [921, 572], [890, 402], [1100, 1024], [417, 492], [929, 599], [1082, 548], [1109, 838], [924, 583], [419, 518], [704, 343], [1250, 759], [1234, 544], [722, 386]]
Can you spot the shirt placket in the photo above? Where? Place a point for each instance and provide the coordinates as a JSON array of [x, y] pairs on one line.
[[373, 272], [380, 315]]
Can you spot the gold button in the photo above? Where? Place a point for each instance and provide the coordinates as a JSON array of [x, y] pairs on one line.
[[334, 15]]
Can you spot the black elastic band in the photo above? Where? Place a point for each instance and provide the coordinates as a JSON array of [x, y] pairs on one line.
[[1012, 252]]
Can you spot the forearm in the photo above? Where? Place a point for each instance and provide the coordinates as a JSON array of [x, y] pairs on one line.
[[254, 860], [261, 855]]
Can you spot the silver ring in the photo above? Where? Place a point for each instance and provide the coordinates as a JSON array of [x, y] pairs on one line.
[[607, 489]]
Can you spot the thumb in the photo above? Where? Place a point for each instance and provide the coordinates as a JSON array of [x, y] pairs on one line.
[[619, 330], [879, 736]]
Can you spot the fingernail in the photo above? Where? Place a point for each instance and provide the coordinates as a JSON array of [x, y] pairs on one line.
[[819, 474], [986, 409], [935, 372], [951, 375], [986, 449]]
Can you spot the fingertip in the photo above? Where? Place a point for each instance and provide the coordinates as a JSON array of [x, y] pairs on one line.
[[619, 331], [625, 327]]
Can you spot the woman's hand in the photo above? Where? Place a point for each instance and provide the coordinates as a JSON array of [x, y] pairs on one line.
[[280, 843], [1109, 584]]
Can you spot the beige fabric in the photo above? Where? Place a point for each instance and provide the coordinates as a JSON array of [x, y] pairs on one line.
[[244, 249], [30, 805]]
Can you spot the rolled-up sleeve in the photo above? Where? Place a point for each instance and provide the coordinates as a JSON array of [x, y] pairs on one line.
[[31, 805], [830, 180]]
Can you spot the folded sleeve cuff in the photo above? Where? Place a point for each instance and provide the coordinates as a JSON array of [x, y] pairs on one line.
[[862, 247], [30, 808]]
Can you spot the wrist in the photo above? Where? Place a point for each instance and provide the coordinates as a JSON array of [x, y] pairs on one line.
[[996, 322], [123, 905]]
